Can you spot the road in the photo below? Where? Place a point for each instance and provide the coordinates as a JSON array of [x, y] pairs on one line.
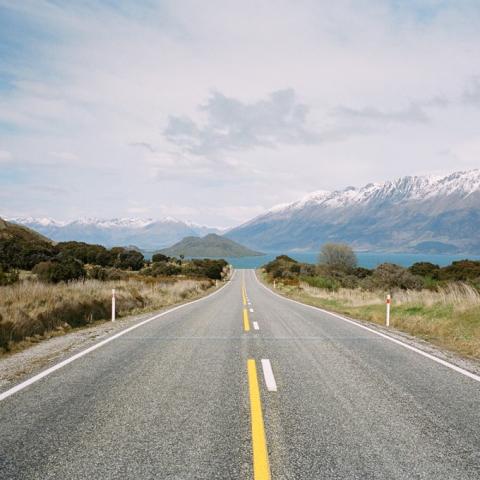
[[187, 396]]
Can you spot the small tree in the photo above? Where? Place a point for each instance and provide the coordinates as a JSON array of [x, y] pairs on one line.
[[337, 257]]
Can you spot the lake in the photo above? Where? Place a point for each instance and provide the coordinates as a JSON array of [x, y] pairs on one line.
[[365, 259]]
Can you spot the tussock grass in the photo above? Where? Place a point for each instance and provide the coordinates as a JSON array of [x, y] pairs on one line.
[[30, 310], [448, 317]]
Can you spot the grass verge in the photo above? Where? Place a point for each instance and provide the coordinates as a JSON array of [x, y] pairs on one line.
[[32, 311], [448, 318]]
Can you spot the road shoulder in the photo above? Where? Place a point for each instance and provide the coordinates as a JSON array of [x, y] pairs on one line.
[[468, 364]]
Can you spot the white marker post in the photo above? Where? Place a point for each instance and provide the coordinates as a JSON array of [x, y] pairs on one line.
[[113, 304], [389, 301], [274, 284]]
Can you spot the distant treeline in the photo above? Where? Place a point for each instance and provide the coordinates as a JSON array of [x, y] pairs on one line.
[[67, 261], [337, 268]]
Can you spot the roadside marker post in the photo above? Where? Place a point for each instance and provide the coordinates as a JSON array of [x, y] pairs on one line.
[[113, 304], [389, 302], [274, 284]]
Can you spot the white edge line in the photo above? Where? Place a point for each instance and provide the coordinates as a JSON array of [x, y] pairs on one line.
[[255, 326], [81, 354], [383, 335], [268, 375]]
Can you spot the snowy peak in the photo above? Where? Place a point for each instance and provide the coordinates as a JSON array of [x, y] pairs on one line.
[[145, 233], [416, 188], [439, 214]]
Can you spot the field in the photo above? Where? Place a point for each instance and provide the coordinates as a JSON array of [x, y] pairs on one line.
[[448, 317], [31, 311]]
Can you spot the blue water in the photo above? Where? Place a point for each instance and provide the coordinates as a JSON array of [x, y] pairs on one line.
[[365, 259]]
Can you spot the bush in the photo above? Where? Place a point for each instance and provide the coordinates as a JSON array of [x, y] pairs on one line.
[[207, 267], [86, 253], [281, 262], [460, 271], [24, 254], [337, 257], [128, 259], [8, 276], [389, 276], [326, 283], [59, 271], [361, 272], [425, 269], [160, 257], [159, 269]]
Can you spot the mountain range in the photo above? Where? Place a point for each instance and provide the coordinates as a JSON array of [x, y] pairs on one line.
[[426, 214], [146, 234]]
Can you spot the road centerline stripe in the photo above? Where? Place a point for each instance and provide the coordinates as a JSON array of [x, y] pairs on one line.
[[268, 375], [261, 467], [246, 322]]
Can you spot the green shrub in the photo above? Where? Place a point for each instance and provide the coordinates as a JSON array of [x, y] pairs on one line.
[[424, 269], [128, 259], [59, 271], [207, 267], [461, 271], [87, 253], [160, 257], [160, 269], [389, 276], [8, 276], [326, 283]]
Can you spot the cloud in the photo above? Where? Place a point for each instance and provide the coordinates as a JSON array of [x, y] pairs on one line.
[[414, 113], [235, 125], [183, 104], [471, 95]]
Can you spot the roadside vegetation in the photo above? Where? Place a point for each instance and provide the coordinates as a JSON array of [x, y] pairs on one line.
[[438, 304], [47, 289]]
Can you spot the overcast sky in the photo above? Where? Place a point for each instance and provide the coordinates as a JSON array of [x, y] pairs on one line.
[[213, 111]]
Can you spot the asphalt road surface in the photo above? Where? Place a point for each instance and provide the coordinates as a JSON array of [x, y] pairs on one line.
[[245, 385]]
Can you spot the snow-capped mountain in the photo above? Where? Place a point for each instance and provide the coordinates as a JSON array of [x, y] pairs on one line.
[[431, 213], [147, 234]]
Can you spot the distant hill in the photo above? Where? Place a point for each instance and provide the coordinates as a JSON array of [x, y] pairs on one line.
[[12, 231], [430, 214], [146, 234], [21, 247], [211, 245]]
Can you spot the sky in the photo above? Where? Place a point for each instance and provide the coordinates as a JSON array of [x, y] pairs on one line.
[[214, 111]]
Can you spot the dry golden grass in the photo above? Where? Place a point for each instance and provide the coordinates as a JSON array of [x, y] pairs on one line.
[[32, 309], [449, 317], [460, 295]]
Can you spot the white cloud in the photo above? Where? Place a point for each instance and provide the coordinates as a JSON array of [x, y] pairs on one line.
[[94, 88]]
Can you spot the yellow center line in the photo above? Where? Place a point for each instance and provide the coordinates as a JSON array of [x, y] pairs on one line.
[[246, 321], [261, 467]]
